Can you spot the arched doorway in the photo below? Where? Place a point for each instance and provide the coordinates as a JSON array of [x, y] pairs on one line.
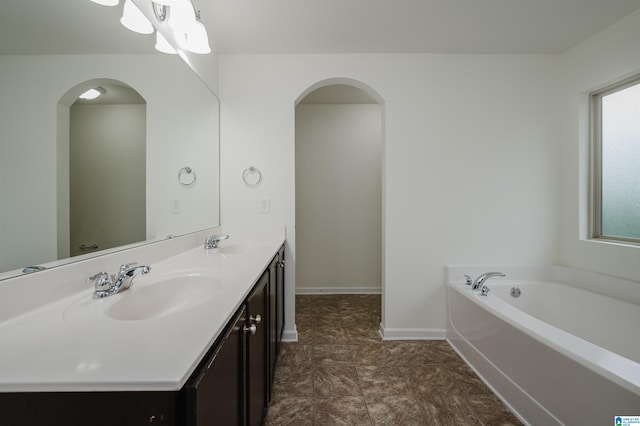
[[102, 168], [339, 175]]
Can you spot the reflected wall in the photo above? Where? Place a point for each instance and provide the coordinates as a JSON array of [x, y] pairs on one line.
[[182, 130]]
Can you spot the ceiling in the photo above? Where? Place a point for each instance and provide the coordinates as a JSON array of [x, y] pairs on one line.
[[407, 26], [41, 27], [323, 26]]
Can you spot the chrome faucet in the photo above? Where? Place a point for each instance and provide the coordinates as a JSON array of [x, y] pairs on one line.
[[32, 269], [107, 285], [479, 282], [212, 241]]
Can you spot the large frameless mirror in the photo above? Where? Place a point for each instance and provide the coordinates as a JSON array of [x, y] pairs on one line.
[[128, 151]]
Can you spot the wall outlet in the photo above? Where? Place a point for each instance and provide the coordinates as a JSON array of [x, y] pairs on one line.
[[264, 205]]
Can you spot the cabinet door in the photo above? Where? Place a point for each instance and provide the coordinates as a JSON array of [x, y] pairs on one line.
[[257, 350], [215, 392], [273, 325], [280, 298]]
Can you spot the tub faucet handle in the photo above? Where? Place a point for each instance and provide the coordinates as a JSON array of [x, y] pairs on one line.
[[468, 280]]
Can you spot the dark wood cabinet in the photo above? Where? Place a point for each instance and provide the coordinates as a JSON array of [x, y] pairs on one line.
[[214, 395], [273, 329], [276, 312], [279, 324], [88, 408], [257, 351], [231, 385]]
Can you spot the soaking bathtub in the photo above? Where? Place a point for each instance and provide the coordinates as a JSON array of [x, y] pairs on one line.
[[565, 351]]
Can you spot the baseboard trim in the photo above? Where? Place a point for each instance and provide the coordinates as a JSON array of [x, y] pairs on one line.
[[337, 290], [290, 336], [412, 333]]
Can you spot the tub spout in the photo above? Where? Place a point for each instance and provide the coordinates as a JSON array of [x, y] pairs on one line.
[[482, 279]]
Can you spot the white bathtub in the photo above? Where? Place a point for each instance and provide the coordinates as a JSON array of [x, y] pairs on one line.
[[558, 354]]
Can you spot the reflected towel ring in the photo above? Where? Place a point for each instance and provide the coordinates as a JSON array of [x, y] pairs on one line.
[[252, 176], [186, 182]]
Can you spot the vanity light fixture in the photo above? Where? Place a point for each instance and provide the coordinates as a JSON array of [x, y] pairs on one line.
[[92, 93], [185, 22], [162, 45], [197, 40], [180, 16], [134, 20], [160, 10]]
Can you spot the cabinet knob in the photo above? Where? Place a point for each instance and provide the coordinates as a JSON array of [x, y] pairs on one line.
[[251, 329], [257, 319]]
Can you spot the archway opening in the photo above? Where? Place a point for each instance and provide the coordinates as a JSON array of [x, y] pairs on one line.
[[339, 196]]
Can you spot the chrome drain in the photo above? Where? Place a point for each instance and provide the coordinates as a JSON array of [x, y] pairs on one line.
[[515, 292]]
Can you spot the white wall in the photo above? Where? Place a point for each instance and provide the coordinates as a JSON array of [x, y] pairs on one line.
[[609, 56], [470, 162], [338, 198], [182, 130]]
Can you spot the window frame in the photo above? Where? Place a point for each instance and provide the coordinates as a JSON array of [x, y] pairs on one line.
[[595, 160]]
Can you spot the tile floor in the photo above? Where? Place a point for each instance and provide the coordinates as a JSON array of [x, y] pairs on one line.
[[341, 373]]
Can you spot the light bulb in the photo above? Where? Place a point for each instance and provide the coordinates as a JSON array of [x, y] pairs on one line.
[[182, 17], [92, 93], [134, 19]]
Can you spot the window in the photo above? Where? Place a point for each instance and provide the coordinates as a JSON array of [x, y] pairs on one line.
[[616, 162]]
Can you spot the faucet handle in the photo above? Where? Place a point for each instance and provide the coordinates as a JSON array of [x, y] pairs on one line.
[[102, 280], [98, 277], [211, 241], [126, 266], [468, 280]]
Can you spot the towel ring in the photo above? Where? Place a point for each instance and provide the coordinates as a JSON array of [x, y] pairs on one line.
[[252, 176], [185, 181]]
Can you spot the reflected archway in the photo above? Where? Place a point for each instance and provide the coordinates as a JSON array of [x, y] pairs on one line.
[[106, 146]]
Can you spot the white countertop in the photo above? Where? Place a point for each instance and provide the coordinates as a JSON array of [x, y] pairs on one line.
[[72, 345]]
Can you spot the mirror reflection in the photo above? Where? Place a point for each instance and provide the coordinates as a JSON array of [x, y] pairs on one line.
[[50, 145], [107, 168]]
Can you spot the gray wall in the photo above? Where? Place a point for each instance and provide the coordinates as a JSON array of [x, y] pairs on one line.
[[338, 198], [107, 149]]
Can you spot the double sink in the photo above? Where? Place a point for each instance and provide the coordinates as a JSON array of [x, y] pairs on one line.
[[150, 337]]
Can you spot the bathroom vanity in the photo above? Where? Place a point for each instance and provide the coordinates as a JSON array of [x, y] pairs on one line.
[[194, 342]]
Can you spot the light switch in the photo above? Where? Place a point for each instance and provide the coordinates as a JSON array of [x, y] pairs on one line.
[[264, 205]]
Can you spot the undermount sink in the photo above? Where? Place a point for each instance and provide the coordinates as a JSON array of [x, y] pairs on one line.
[[164, 297]]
